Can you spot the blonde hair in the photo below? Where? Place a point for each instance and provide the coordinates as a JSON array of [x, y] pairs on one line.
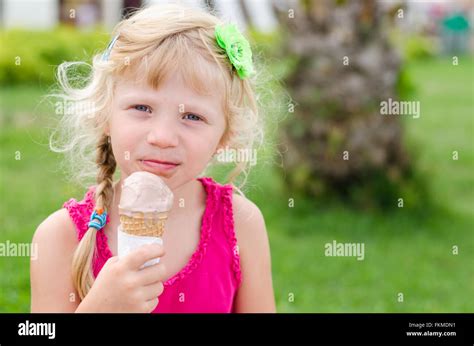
[[155, 41]]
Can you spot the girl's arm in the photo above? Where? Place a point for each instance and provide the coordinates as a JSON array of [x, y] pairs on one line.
[[256, 291], [50, 273], [121, 285]]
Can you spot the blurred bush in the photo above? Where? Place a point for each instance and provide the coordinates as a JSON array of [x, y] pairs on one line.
[[414, 45], [418, 47], [30, 57]]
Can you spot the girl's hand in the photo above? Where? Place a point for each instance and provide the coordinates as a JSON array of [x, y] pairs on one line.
[[122, 286]]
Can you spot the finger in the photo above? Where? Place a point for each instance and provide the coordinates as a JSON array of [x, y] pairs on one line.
[[142, 254], [151, 274], [111, 260], [153, 291], [151, 304]]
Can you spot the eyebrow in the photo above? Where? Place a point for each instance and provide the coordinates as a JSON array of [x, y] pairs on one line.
[[134, 98]]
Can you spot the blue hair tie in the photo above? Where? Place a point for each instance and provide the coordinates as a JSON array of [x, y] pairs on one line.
[[101, 218], [106, 54]]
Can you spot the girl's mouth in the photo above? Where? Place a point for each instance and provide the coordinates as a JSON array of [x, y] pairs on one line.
[[159, 167]]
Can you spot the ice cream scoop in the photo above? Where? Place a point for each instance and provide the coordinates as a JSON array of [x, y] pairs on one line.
[[145, 202]]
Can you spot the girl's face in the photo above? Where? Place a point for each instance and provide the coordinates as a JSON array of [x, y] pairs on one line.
[[172, 132]]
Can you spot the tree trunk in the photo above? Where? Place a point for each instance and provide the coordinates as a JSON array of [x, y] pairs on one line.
[[336, 142]]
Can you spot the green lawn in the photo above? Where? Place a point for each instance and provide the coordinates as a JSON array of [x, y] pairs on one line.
[[404, 253]]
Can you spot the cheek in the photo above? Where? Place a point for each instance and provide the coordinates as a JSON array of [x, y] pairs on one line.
[[125, 136], [203, 143], [201, 147]]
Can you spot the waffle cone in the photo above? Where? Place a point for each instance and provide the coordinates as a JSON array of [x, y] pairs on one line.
[[140, 224]]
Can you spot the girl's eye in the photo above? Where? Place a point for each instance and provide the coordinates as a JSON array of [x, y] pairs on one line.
[[192, 117], [142, 108]]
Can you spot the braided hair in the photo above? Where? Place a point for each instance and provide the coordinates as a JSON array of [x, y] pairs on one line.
[[82, 270]]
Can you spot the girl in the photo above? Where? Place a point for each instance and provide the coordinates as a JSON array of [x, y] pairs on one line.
[[172, 88]]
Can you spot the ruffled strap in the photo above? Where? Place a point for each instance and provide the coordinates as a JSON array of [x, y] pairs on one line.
[[79, 211], [229, 229]]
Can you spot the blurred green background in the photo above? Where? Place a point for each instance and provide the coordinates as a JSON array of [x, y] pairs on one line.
[[407, 250]]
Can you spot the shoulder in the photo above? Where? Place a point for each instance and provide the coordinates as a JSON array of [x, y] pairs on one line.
[[246, 212], [256, 291], [249, 227], [55, 241], [57, 228], [55, 238]]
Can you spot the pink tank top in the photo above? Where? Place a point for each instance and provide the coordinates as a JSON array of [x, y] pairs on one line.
[[209, 281]]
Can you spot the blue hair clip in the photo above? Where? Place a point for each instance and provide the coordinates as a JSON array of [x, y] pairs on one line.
[[106, 54], [101, 218]]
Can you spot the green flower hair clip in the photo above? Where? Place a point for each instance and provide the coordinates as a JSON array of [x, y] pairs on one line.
[[237, 48]]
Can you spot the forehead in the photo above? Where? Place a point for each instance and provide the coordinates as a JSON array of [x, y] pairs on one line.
[[183, 77]]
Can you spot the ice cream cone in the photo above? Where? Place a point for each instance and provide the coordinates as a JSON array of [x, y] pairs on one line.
[[144, 205], [140, 224]]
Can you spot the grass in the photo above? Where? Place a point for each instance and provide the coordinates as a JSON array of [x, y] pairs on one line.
[[404, 252]]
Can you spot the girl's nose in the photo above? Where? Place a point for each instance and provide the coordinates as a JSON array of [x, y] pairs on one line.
[[163, 134]]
